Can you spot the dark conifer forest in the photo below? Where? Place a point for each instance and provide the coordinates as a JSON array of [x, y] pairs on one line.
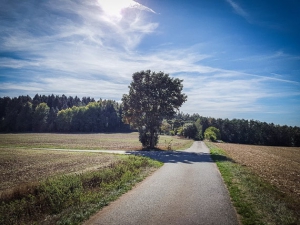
[[64, 114]]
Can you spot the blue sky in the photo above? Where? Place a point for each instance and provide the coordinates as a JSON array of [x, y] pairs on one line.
[[238, 58]]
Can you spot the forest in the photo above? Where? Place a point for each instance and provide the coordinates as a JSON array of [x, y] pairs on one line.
[[55, 113], [60, 114], [243, 131]]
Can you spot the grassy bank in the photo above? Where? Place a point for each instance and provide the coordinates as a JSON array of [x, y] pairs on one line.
[[71, 199], [256, 201]]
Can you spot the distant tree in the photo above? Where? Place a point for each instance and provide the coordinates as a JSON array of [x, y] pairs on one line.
[[212, 134], [165, 127], [24, 118], [190, 131], [51, 119], [40, 117], [152, 97], [198, 126]]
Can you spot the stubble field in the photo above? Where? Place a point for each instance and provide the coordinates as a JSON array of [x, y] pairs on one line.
[[25, 158], [279, 166], [99, 141]]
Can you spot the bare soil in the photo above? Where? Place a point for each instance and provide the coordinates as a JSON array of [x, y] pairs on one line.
[[278, 165], [23, 166]]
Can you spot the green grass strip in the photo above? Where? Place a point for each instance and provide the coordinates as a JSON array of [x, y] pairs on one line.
[[74, 198], [256, 201]]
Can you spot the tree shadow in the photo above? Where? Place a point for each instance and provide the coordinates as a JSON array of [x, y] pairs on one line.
[[180, 156]]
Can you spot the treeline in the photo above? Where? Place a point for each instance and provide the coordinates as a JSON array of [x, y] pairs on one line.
[[245, 131], [55, 113], [60, 114]]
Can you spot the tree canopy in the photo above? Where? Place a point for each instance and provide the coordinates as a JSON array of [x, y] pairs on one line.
[[152, 97], [212, 134], [60, 114]]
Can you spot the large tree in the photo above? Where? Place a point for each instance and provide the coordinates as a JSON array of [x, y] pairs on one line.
[[152, 97]]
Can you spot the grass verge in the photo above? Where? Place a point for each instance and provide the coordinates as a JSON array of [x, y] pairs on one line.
[[71, 199], [256, 201]]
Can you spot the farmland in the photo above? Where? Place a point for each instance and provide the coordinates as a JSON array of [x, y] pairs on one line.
[[19, 163], [20, 166], [278, 165], [33, 176], [263, 181], [99, 141]]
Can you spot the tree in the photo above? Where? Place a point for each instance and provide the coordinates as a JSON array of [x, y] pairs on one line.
[[199, 130], [165, 127], [152, 97], [40, 117], [212, 134], [24, 118]]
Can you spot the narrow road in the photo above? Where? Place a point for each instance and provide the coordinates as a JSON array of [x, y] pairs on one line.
[[188, 189]]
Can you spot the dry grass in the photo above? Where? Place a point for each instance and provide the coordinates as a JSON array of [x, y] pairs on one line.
[[279, 166], [118, 141]]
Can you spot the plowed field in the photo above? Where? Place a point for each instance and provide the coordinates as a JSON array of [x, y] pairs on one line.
[[278, 165]]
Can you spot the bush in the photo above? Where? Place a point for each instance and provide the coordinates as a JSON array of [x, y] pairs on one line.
[[212, 134]]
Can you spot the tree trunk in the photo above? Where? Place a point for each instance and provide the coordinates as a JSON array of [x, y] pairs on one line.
[[151, 139]]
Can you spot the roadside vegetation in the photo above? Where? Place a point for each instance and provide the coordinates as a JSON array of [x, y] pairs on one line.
[[256, 198], [71, 198], [40, 186]]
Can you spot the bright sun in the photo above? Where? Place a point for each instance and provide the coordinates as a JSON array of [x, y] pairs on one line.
[[114, 7]]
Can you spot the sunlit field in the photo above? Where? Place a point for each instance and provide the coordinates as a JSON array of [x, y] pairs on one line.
[[278, 165], [116, 141], [263, 181], [30, 170]]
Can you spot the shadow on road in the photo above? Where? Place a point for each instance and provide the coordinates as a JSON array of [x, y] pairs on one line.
[[177, 156]]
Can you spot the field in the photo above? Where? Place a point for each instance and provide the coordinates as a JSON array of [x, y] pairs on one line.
[[263, 181], [20, 164], [39, 185], [278, 165], [118, 141]]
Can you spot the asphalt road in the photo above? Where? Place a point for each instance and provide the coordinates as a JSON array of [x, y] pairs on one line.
[[188, 189]]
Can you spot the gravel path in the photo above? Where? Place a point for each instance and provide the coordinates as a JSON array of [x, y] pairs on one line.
[[188, 189]]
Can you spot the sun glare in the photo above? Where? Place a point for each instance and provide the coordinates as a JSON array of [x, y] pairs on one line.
[[114, 7]]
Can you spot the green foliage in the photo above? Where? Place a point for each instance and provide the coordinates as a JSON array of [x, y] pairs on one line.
[[62, 114], [152, 97], [212, 134], [190, 131], [194, 131], [73, 198], [25, 117], [147, 139], [40, 117], [165, 127]]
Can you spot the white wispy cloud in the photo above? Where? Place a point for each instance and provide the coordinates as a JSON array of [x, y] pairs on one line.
[[74, 48], [239, 10]]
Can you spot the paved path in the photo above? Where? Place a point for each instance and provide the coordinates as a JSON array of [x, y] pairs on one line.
[[188, 189]]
